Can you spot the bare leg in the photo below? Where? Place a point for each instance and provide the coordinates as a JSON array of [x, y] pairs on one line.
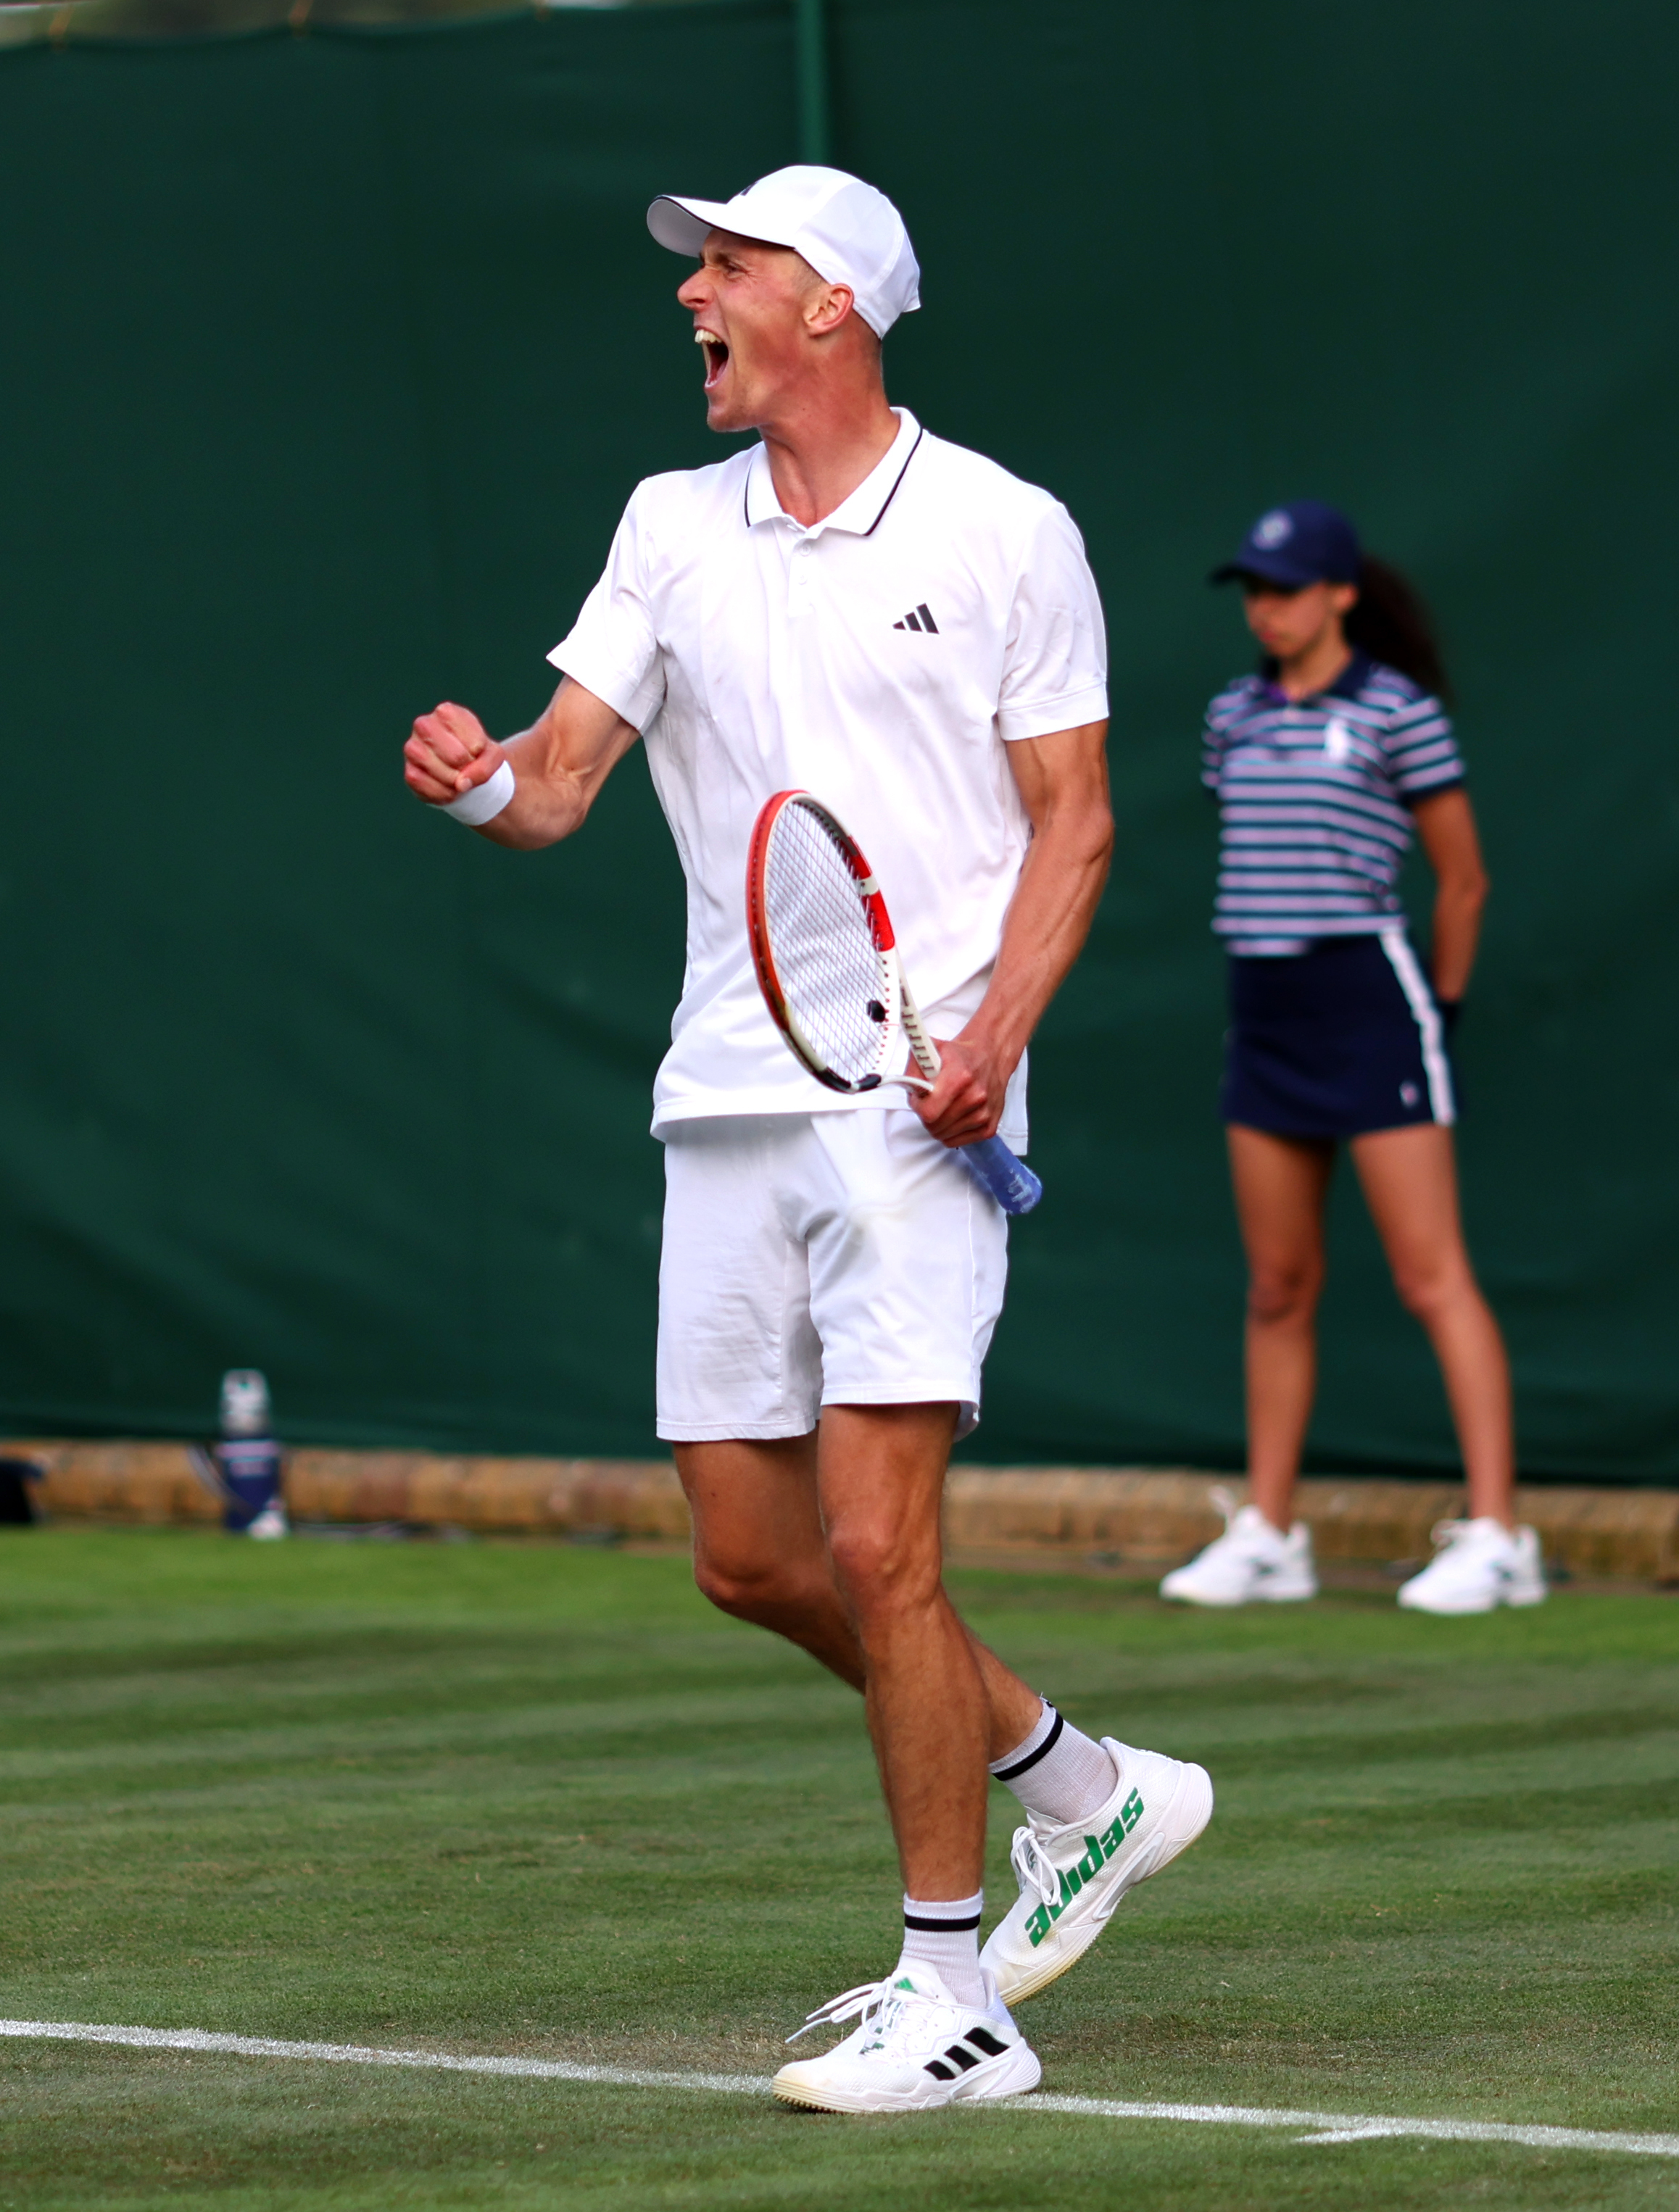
[[881, 1477], [1410, 1184], [759, 1549], [1280, 1185], [762, 1552]]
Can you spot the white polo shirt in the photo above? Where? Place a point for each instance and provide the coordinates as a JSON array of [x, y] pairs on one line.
[[882, 659]]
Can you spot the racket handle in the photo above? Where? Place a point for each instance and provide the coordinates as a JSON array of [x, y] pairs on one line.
[[996, 1169]]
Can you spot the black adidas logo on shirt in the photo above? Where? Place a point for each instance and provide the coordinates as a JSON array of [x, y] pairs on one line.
[[921, 619]]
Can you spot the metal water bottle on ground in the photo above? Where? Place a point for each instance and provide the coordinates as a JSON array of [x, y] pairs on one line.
[[248, 1461]]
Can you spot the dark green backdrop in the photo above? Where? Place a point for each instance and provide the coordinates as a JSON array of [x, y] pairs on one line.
[[327, 364]]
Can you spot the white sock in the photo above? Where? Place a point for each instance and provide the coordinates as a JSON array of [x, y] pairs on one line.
[[1056, 1772], [944, 1934]]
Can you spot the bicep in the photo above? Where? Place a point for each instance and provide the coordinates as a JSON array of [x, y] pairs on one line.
[[1065, 772], [1447, 833], [580, 737]]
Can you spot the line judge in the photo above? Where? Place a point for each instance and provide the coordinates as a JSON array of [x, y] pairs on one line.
[[854, 606]]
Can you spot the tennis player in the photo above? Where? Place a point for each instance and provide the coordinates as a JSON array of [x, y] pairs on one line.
[[1321, 763], [853, 606]]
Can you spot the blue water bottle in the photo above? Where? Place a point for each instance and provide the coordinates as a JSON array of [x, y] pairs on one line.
[[248, 1459]]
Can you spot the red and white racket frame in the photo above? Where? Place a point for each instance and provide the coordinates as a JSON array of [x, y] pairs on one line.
[[1009, 1181], [901, 1014]]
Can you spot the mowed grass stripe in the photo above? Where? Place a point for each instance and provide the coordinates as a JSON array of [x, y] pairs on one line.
[[667, 1714], [1327, 2127]]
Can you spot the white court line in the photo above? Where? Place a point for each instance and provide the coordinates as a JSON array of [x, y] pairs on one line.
[[1326, 2127]]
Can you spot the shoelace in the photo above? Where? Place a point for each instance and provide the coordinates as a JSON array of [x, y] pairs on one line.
[[1445, 1532], [866, 1997], [1032, 1868]]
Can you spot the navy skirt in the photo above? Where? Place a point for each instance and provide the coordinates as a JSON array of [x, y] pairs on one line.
[[1336, 1041]]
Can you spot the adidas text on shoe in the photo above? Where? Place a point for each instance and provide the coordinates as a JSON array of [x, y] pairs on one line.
[[1251, 1561], [915, 2049], [1071, 1878], [1477, 1565]]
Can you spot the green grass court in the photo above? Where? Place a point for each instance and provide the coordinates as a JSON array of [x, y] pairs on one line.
[[538, 1799]]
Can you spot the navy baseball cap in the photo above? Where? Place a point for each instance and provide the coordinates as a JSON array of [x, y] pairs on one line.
[[1303, 543]]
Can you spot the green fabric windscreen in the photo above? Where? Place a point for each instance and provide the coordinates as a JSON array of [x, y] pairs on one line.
[[328, 363]]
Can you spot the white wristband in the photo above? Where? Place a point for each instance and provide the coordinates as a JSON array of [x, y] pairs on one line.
[[484, 801]]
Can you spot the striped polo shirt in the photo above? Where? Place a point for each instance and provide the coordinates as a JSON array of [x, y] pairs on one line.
[[1314, 800]]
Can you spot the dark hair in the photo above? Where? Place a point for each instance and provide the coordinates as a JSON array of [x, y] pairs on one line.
[[1392, 623]]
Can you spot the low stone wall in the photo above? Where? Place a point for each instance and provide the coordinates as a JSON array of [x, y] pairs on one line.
[[1154, 1517], [1146, 1517]]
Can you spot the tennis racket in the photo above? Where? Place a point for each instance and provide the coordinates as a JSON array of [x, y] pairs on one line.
[[827, 964]]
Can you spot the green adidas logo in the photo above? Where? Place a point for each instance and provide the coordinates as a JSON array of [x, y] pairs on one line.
[[1097, 1850]]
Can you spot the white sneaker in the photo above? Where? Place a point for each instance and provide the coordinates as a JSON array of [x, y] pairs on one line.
[[1478, 1564], [916, 2048], [1250, 1560], [1072, 1878]]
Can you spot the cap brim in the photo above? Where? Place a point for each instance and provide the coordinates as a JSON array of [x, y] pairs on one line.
[[1269, 568], [682, 225]]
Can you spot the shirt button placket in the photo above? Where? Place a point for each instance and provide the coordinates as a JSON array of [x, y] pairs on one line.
[[799, 576]]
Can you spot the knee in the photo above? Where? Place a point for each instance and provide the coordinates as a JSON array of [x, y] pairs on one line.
[[1280, 1295], [1427, 1293], [751, 1589], [882, 1568]]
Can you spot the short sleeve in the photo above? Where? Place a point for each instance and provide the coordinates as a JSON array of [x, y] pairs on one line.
[[1422, 752], [1056, 658], [612, 649], [1212, 753]]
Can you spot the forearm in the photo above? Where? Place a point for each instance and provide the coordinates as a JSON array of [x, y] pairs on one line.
[[550, 799], [555, 767], [1457, 910], [1049, 920], [1446, 823]]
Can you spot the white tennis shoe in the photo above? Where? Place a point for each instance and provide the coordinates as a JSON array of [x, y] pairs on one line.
[[1478, 1564], [916, 2048], [1071, 1878], [1250, 1560]]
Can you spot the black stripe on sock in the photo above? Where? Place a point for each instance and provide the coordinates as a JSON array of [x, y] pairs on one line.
[[1021, 1766], [938, 1927]]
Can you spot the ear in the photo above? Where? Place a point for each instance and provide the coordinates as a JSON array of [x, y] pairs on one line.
[[828, 309], [1344, 599]]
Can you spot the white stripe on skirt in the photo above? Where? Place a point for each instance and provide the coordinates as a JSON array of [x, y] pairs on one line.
[[1441, 1103]]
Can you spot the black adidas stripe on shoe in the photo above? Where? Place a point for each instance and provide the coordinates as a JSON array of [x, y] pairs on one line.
[[962, 2059]]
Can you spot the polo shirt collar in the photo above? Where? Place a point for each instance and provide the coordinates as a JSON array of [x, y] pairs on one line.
[[1347, 685], [860, 511], [1351, 678]]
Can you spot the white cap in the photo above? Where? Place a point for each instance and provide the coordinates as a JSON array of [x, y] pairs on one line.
[[849, 234]]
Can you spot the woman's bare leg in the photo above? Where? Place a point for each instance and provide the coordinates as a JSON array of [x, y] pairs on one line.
[[1410, 1183], [1280, 1185]]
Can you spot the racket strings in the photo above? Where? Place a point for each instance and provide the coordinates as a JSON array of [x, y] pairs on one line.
[[823, 946]]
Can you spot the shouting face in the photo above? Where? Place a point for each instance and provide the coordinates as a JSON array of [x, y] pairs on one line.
[[760, 313]]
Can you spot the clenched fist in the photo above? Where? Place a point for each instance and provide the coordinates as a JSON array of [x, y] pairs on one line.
[[450, 753]]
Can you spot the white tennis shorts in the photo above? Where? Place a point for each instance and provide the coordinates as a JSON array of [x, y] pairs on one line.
[[811, 1259]]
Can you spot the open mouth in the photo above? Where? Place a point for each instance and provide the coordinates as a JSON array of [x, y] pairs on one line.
[[716, 357]]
